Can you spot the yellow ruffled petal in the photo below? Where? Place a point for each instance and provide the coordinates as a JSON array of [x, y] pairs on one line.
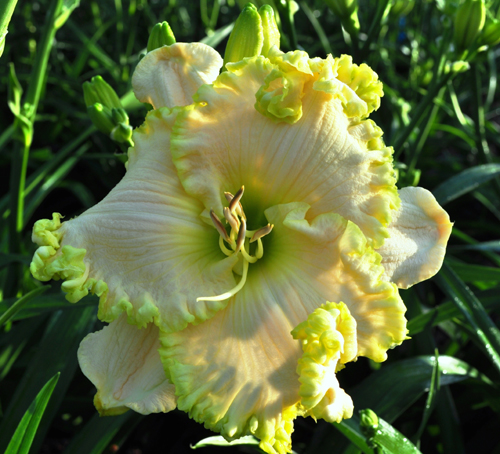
[[328, 339], [144, 249], [170, 75], [236, 373], [326, 159], [124, 365], [419, 232]]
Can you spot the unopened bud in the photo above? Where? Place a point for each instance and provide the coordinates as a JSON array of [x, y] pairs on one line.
[[101, 117], [99, 91], [247, 37], [490, 36], [347, 12], [469, 21], [402, 7], [121, 133], [457, 67], [269, 29], [161, 35], [119, 116], [368, 423]]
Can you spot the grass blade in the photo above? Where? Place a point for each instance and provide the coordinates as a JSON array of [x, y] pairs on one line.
[[26, 430], [465, 182], [486, 331], [18, 305]]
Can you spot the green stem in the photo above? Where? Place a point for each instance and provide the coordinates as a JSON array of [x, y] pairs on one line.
[[21, 148], [374, 31], [287, 23], [6, 10], [420, 112], [423, 137], [479, 123]]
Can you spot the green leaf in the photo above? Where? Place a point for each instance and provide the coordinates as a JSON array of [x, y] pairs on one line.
[[18, 305], [22, 439], [217, 36], [7, 259], [447, 311], [56, 352], [484, 329], [465, 182], [393, 441], [98, 433]]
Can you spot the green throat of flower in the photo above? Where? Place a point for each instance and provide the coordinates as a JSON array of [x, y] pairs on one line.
[[238, 239]]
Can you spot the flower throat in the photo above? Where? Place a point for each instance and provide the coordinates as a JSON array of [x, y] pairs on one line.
[[238, 239]]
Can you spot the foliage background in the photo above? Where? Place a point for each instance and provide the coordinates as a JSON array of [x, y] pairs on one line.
[[440, 389]]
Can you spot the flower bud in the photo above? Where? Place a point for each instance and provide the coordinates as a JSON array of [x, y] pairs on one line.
[[368, 423], [402, 7], [269, 28], [247, 37], [161, 35], [119, 116], [101, 117], [121, 133], [469, 21], [347, 11], [490, 35], [99, 91]]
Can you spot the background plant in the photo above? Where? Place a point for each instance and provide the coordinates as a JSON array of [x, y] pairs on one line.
[[438, 61]]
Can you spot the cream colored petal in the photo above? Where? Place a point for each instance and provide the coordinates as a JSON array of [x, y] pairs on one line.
[[419, 232], [123, 363], [222, 143], [170, 75], [144, 249], [236, 373]]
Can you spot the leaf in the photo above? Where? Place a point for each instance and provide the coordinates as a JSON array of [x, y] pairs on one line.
[[56, 352], [98, 433], [449, 310], [393, 441], [464, 182], [398, 386], [484, 329], [7, 259], [217, 36], [22, 439], [18, 305]]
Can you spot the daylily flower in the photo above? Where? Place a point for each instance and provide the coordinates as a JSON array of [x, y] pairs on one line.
[[254, 247]]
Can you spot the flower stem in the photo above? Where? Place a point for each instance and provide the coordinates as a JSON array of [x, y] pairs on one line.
[[24, 131]]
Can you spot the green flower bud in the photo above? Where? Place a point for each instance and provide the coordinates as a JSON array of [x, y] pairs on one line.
[[247, 37], [119, 116], [99, 91], [269, 28], [161, 35], [368, 423], [490, 35], [469, 21], [402, 7], [102, 118], [121, 133], [456, 67], [347, 11]]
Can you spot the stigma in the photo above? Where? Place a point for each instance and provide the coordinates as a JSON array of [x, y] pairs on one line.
[[235, 238]]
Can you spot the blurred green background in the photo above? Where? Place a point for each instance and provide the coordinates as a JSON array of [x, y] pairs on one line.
[[440, 112]]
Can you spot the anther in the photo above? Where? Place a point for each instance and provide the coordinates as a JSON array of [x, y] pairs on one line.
[[263, 231], [233, 221], [240, 240], [218, 225], [236, 199]]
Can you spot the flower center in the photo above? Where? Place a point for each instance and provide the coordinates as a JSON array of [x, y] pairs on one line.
[[238, 239]]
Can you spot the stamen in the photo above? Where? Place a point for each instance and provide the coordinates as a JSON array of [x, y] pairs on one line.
[[239, 209], [232, 292], [241, 236], [260, 249], [223, 247], [263, 231], [233, 221], [236, 199], [218, 225]]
